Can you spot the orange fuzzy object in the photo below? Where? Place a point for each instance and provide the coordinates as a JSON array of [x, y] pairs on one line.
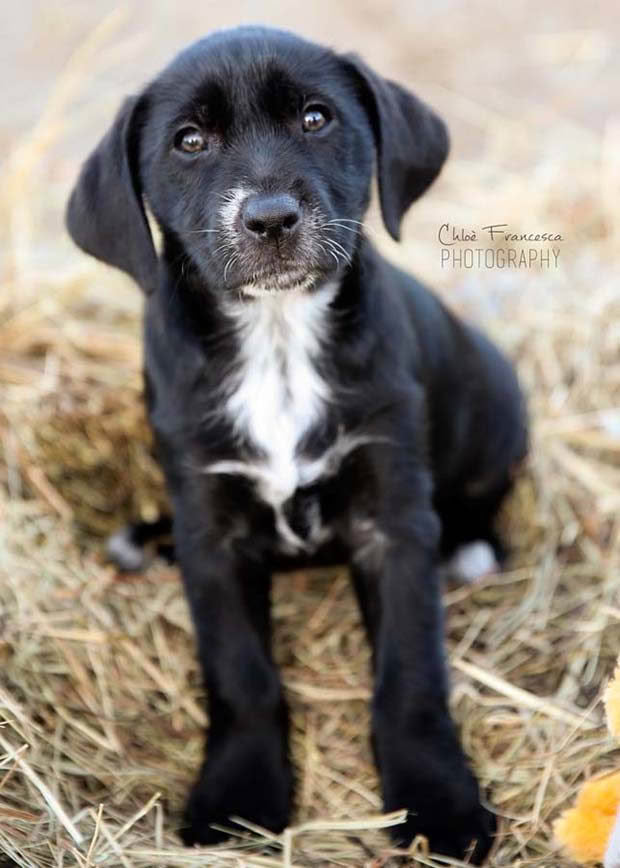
[[585, 829]]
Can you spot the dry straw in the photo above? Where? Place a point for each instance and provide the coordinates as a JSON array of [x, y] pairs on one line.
[[100, 699]]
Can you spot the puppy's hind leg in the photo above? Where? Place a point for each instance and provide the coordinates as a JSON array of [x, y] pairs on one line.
[[471, 547], [127, 547]]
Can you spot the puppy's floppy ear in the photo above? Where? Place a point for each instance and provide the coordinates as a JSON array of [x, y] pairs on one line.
[[105, 214], [411, 141]]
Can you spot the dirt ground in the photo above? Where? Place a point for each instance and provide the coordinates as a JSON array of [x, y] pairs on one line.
[[101, 713]]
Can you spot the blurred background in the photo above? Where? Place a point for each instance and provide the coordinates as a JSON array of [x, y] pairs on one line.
[[98, 684]]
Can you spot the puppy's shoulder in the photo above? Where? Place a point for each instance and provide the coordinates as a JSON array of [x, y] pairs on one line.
[[410, 302]]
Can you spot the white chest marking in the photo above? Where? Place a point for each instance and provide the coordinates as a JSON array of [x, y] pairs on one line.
[[277, 393], [275, 397]]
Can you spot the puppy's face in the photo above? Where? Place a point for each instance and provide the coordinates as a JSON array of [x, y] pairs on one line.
[[254, 150], [256, 156]]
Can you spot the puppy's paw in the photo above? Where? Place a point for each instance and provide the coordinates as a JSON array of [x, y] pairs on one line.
[[467, 835], [443, 804], [472, 562], [125, 552], [256, 791]]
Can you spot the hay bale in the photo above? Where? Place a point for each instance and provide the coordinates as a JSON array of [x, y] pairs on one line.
[[100, 703]]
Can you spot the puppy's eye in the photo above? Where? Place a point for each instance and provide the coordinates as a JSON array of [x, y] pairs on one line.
[[315, 117], [190, 140]]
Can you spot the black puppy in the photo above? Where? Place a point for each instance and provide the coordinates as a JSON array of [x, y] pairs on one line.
[[311, 403]]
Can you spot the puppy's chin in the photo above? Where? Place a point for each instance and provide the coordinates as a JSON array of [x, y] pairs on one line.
[[294, 281]]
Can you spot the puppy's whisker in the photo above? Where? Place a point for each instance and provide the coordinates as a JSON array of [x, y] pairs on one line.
[[337, 227], [328, 226], [344, 257], [227, 246], [331, 253], [322, 248], [339, 221], [337, 250], [229, 264], [327, 252], [337, 244]]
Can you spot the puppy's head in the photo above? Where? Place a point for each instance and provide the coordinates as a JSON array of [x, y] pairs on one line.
[[254, 150]]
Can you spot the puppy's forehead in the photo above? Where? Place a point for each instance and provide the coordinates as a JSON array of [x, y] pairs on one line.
[[250, 69]]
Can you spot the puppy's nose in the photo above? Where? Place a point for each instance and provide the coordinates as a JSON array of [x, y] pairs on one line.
[[271, 216]]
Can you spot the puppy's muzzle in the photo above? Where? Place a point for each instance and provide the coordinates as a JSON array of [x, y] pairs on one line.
[[271, 217]]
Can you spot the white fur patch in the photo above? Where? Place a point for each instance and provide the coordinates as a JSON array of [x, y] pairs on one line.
[[293, 281], [370, 543], [125, 553], [233, 201], [277, 394], [472, 562]]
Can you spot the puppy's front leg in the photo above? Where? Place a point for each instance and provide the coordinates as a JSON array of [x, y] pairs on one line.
[[420, 760], [246, 772]]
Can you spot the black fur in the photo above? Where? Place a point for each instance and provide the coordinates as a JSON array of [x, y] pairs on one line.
[[439, 405]]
